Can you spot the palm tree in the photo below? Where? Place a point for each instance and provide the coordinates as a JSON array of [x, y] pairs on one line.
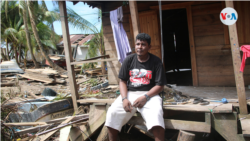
[[31, 5], [23, 7], [10, 24]]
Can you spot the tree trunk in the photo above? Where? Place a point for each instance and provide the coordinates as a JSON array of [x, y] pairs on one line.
[[15, 52], [7, 50], [20, 53], [4, 58], [28, 39], [25, 59], [102, 63], [33, 25]]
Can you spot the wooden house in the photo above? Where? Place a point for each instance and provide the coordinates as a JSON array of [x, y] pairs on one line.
[[202, 40], [197, 47], [194, 39]]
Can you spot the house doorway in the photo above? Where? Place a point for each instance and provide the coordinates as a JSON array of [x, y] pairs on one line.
[[177, 58]]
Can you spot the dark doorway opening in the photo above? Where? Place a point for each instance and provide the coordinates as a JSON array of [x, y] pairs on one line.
[[177, 57]]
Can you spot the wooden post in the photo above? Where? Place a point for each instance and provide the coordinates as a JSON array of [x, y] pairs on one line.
[[185, 136], [134, 18], [68, 54], [233, 37], [192, 46]]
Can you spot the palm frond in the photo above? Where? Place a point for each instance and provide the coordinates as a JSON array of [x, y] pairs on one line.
[[49, 43]]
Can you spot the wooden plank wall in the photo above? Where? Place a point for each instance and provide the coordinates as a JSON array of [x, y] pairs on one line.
[[213, 54], [113, 70], [214, 58]]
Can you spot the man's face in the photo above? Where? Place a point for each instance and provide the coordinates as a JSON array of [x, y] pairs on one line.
[[141, 47]]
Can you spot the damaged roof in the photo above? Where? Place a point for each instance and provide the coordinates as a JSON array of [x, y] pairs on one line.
[[79, 39]]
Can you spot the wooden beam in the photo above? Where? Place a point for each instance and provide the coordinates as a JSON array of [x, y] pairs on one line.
[[91, 61], [96, 57], [68, 53], [192, 46], [177, 124], [109, 101], [134, 18], [239, 80], [172, 6], [225, 108]]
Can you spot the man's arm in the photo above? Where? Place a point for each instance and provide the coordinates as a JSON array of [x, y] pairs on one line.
[[155, 90], [141, 101], [124, 93]]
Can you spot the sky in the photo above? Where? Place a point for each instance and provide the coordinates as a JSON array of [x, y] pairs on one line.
[[81, 9]]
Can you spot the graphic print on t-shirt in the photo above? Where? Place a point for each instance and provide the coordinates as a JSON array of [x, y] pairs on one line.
[[139, 77]]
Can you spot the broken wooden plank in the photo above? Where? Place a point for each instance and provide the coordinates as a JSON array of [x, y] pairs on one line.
[[7, 84], [44, 137], [97, 117], [185, 136], [33, 129], [35, 76], [50, 123], [58, 120], [25, 124], [245, 124], [109, 101], [43, 71], [56, 128]]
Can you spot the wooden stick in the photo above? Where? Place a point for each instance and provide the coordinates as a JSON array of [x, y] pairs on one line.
[[25, 124], [93, 61], [56, 128], [50, 123]]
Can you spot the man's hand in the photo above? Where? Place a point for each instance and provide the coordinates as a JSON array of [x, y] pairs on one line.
[[127, 105], [140, 102]]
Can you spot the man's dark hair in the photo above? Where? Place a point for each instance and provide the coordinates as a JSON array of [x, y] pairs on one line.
[[144, 37]]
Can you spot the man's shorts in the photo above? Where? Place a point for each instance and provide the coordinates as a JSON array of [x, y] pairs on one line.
[[151, 112]]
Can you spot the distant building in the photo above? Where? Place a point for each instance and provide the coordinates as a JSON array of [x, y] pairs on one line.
[[76, 40]]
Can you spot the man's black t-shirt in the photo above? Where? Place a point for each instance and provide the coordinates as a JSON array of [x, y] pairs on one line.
[[142, 76]]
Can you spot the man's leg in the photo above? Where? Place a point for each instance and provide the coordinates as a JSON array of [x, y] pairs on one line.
[[152, 113], [113, 134], [158, 132], [117, 117]]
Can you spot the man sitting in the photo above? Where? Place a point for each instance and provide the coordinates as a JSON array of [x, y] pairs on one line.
[[142, 78]]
